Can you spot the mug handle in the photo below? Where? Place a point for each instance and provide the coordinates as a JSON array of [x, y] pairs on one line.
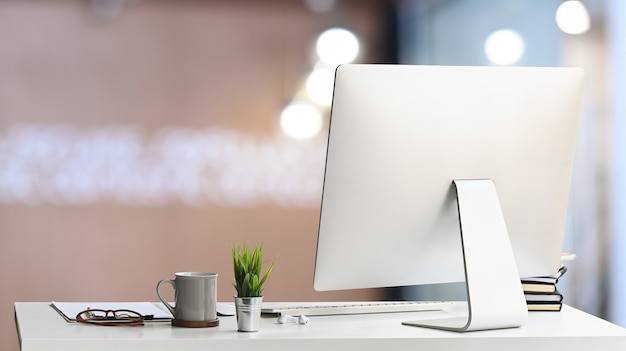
[[173, 284]]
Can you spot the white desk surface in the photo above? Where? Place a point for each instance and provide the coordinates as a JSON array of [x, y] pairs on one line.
[[40, 327]]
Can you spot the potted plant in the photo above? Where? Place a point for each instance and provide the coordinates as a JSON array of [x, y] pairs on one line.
[[248, 282]]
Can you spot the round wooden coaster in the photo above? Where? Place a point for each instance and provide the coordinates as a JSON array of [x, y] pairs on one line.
[[195, 324]]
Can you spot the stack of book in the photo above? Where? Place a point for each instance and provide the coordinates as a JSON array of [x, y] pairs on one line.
[[541, 293]]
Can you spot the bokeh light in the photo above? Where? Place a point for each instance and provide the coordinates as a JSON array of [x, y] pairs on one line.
[[572, 17], [319, 85], [301, 120], [504, 47], [336, 46], [320, 6]]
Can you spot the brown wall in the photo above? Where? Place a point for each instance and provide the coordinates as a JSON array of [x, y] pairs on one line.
[[190, 64]]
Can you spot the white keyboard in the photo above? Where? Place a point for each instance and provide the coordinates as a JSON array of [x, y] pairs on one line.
[[337, 308]]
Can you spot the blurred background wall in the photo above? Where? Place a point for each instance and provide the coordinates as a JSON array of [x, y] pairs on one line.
[[139, 138]]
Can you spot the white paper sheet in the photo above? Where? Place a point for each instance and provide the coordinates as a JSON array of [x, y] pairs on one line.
[[69, 310]]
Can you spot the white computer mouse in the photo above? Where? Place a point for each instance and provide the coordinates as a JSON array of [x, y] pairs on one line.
[[225, 309]]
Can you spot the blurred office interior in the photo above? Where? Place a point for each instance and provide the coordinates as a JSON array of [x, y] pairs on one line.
[[139, 138]]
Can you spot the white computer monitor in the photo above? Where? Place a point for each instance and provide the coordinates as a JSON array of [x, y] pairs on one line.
[[401, 134]]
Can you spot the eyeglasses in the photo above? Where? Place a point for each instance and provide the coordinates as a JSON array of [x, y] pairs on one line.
[[110, 317]]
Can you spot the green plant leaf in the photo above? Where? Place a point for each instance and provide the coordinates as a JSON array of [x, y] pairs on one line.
[[247, 268]]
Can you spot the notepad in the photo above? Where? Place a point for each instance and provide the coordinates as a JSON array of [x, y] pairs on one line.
[[69, 310]]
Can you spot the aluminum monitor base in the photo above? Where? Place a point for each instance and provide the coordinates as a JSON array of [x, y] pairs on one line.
[[495, 298]]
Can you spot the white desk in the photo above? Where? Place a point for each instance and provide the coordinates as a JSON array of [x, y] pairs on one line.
[[41, 328]]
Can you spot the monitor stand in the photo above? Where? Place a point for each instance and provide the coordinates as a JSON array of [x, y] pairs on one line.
[[495, 298]]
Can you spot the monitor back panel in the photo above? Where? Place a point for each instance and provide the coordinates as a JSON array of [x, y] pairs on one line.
[[400, 134]]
